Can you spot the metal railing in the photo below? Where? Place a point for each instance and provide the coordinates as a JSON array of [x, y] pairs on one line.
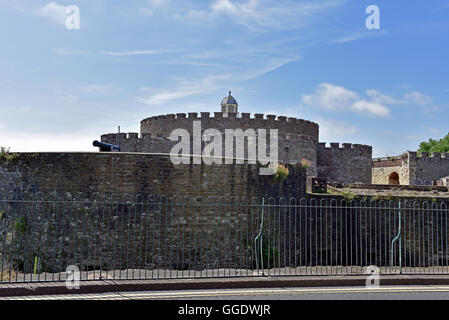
[[160, 237]]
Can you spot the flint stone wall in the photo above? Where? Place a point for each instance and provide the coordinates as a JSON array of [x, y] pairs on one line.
[[349, 164], [136, 173]]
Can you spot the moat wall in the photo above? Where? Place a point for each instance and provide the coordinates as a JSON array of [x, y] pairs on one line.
[[105, 174]]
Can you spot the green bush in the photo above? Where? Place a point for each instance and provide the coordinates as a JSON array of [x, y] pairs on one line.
[[281, 173]]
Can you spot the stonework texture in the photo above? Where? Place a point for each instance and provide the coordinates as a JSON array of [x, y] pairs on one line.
[[138, 173], [85, 228], [348, 164], [411, 168]]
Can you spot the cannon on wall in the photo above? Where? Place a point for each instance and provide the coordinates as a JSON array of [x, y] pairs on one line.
[[105, 147]]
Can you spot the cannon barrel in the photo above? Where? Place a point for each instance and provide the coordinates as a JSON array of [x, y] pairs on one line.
[[104, 147]]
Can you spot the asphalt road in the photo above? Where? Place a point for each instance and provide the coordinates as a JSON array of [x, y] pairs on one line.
[[335, 293]]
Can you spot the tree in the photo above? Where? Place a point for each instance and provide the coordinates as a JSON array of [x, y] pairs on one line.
[[432, 145]]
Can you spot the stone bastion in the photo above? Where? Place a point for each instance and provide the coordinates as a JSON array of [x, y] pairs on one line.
[[297, 138]]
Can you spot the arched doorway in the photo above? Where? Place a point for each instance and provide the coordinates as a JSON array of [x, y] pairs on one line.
[[393, 178]]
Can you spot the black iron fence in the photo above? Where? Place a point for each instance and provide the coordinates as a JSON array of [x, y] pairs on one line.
[[160, 237]]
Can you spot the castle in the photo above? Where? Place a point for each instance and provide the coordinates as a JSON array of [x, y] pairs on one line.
[[412, 169], [144, 166], [298, 139]]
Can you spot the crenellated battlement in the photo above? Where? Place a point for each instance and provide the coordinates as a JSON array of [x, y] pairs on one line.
[[133, 142], [427, 167], [219, 115], [233, 120], [289, 128], [334, 146], [347, 163], [131, 136], [413, 155]]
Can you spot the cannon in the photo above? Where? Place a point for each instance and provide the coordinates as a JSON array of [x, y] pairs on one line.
[[105, 147]]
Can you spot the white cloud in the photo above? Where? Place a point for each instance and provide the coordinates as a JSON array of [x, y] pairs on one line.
[[381, 98], [365, 107], [329, 96], [256, 14], [152, 6], [418, 98], [54, 12], [332, 97]]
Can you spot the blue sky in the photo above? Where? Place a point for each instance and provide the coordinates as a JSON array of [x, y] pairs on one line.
[[60, 89]]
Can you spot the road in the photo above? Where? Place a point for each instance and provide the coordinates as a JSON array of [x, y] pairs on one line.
[[334, 293]]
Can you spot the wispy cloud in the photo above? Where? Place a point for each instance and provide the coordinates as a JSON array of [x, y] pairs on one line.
[[185, 88], [194, 86], [378, 97], [5, 82], [138, 52], [152, 6], [418, 98], [256, 14], [98, 89], [433, 130], [358, 36]]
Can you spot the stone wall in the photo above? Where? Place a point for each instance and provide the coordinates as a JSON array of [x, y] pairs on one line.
[[97, 221], [138, 173], [425, 168], [349, 164], [384, 167]]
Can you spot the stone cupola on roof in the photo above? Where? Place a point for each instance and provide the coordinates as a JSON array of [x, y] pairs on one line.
[[229, 105]]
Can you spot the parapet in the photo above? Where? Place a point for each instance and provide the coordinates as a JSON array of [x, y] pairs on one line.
[[130, 136], [426, 155], [164, 124], [344, 146], [219, 115]]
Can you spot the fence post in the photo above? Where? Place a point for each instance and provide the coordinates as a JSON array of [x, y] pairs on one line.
[[398, 237], [259, 235]]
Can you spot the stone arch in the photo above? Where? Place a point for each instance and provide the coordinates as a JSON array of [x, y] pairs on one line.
[[393, 178]]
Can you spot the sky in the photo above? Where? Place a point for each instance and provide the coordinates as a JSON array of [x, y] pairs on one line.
[[62, 88]]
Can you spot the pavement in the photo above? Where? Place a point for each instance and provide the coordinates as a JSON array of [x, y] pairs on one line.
[[123, 286], [266, 294]]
